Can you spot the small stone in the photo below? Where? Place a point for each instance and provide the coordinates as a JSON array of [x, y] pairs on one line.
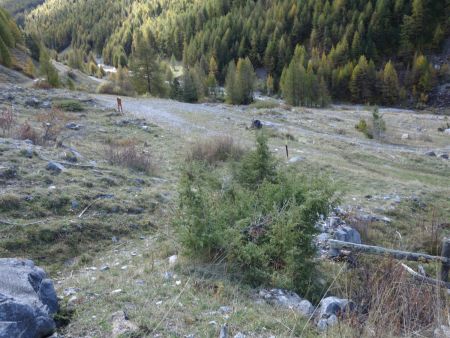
[[430, 153], [405, 136], [115, 292], [322, 325], [159, 302], [73, 126], [239, 335], [173, 259], [33, 102], [124, 267], [443, 156], [178, 282], [168, 275], [140, 282], [226, 309], [70, 291], [55, 167], [75, 205], [104, 268], [332, 320], [295, 159]]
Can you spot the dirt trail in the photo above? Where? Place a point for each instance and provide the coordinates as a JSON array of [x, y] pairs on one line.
[[213, 119]]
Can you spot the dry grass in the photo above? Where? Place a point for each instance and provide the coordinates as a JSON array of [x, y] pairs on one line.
[[129, 156], [215, 150], [389, 303], [7, 121]]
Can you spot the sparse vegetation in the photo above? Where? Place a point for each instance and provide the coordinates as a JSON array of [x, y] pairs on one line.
[[129, 156], [68, 105], [212, 151], [260, 221]]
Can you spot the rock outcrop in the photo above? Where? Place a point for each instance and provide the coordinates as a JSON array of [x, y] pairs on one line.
[[28, 300]]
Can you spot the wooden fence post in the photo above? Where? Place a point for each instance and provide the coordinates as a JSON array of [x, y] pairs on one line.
[[445, 267]]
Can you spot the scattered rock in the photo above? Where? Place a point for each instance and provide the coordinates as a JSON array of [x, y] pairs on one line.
[[287, 299], [173, 259], [226, 309], [74, 204], [443, 156], [70, 291], [33, 102], [447, 131], [224, 331], [115, 292], [347, 234], [324, 323], [121, 326], [405, 136], [55, 167], [27, 152], [430, 153], [239, 335], [28, 300], [73, 126], [104, 268], [334, 306], [295, 159], [168, 275], [256, 124]]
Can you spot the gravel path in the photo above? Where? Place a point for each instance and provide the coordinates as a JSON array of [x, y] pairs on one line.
[[213, 119]]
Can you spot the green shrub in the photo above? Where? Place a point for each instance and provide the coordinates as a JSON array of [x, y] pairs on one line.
[[261, 221], [376, 128], [363, 127], [257, 165], [69, 105]]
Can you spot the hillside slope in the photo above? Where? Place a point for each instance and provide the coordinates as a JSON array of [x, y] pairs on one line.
[[9, 37]]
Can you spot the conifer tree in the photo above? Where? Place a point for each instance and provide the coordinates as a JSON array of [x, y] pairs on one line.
[[147, 74], [47, 69], [390, 87]]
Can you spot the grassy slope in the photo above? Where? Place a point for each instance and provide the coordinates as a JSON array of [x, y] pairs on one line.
[[68, 245]]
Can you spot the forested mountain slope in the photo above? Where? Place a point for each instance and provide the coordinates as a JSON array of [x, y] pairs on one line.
[[9, 37], [335, 33], [18, 8]]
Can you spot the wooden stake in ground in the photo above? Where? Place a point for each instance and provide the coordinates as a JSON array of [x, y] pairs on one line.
[[445, 267]]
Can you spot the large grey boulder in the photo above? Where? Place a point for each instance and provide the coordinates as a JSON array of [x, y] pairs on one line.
[[347, 234], [28, 300]]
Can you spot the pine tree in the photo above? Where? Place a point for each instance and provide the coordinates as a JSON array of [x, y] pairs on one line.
[[147, 74], [240, 82], [231, 89], [6, 38], [47, 69], [362, 81], [245, 80], [390, 87], [189, 90]]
